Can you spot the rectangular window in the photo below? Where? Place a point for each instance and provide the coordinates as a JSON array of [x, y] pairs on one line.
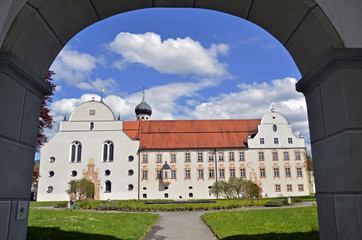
[[200, 157], [222, 173], [200, 173], [159, 158], [144, 174], [300, 187], [299, 172], [261, 140], [297, 155], [276, 141], [261, 156], [211, 173], [286, 155], [173, 158], [241, 156], [262, 172], [275, 156], [231, 156], [187, 174], [290, 140], [145, 158], [277, 187], [221, 156], [211, 156], [232, 172], [173, 173], [276, 172], [187, 157], [242, 172], [287, 172], [158, 174], [289, 188]]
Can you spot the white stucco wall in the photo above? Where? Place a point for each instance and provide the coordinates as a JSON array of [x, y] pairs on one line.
[[92, 141]]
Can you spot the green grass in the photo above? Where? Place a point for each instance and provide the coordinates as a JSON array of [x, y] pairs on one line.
[[60, 225], [267, 224]]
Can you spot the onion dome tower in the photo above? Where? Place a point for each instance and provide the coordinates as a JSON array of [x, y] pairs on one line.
[[143, 110]]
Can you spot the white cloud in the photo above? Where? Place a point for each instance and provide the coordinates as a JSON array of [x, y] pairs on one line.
[[109, 84], [254, 100], [74, 67], [171, 56], [251, 101]]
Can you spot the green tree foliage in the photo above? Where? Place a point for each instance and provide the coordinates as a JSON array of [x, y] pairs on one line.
[[35, 178], [83, 189], [235, 188], [308, 162], [45, 119]]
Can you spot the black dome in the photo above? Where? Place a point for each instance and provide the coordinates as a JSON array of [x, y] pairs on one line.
[[143, 107]]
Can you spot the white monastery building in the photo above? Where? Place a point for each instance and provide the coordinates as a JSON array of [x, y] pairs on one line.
[[173, 159]]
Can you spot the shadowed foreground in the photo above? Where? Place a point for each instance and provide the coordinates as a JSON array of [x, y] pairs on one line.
[[55, 233], [313, 235]]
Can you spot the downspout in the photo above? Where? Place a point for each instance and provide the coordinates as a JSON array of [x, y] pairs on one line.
[[217, 193]]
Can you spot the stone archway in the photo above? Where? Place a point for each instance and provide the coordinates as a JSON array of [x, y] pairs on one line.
[[33, 32]]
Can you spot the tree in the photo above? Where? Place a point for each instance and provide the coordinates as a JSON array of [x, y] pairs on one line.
[[235, 188], [34, 181], [45, 119], [82, 188], [308, 162]]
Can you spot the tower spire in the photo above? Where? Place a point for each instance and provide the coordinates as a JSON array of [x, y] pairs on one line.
[[102, 94]]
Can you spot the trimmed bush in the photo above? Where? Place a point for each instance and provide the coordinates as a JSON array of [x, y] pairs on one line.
[[275, 203]]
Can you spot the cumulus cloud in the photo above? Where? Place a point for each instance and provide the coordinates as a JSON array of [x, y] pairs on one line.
[[171, 56], [254, 100], [74, 67], [110, 84], [250, 101]]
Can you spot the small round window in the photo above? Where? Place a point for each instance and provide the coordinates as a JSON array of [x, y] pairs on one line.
[[130, 172], [51, 173], [107, 172], [74, 173], [130, 187], [49, 189], [52, 159], [144, 188], [275, 128], [190, 187], [130, 158], [209, 187]]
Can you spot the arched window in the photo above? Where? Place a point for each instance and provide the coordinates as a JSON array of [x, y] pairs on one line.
[[108, 186], [108, 150], [191, 195], [76, 152]]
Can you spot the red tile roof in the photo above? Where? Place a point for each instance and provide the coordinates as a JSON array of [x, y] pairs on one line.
[[191, 134]]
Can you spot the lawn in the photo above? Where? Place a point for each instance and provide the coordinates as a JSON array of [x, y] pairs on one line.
[[267, 224], [60, 225]]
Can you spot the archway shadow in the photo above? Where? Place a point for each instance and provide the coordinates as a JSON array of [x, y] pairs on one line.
[[312, 235], [54, 233]]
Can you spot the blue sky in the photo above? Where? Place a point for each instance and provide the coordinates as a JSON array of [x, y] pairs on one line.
[[194, 64]]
